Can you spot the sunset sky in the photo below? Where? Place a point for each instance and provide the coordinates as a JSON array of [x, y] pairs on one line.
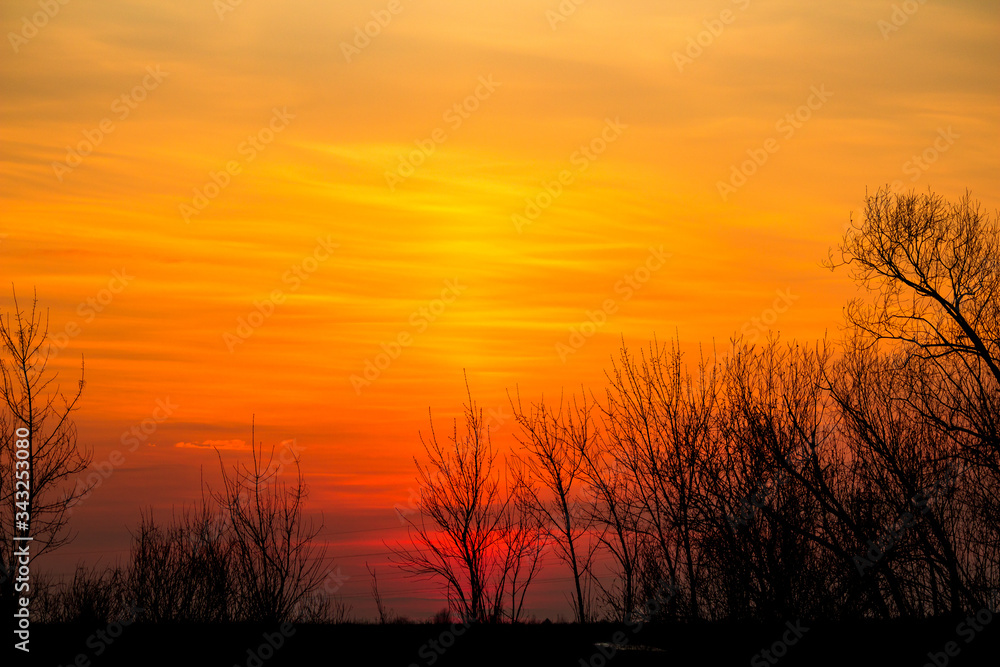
[[471, 183]]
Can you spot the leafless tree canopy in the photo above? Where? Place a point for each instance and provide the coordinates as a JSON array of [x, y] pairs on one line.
[[473, 534], [30, 398], [550, 474], [276, 563], [850, 479], [244, 552]]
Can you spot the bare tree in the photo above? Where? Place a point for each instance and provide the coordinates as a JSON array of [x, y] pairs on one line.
[[276, 563], [809, 511], [468, 533], [328, 609], [523, 540], [93, 597], [35, 488], [903, 456], [243, 553], [385, 615], [615, 511], [183, 571], [555, 443], [659, 420], [931, 269]]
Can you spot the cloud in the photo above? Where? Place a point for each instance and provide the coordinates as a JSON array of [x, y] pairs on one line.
[[213, 444]]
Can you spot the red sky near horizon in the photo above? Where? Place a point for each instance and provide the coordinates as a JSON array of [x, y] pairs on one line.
[[241, 212]]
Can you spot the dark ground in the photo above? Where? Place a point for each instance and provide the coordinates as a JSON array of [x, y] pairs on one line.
[[549, 645]]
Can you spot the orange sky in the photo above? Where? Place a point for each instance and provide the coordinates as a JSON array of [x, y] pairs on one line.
[[631, 113]]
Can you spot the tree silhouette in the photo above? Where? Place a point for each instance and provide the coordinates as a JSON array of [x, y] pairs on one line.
[[554, 444], [856, 479], [34, 490], [245, 552], [276, 564], [471, 533]]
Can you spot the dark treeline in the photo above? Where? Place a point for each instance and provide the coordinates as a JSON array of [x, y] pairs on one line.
[[779, 480], [842, 480], [243, 553]]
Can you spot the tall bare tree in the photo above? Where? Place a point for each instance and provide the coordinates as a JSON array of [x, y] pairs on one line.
[[931, 269], [614, 510], [659, 420], [35, 489], [468, 532], [550, 471], [277, 564]]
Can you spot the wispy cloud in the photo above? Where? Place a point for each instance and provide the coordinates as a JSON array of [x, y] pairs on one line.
[[213, 444]]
